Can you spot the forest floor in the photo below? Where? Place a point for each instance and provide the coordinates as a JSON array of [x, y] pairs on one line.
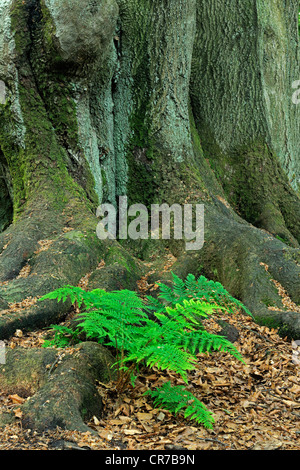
[[255, 405]]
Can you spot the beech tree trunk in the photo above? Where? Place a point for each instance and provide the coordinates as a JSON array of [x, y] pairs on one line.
[[164, 101], [159, 101], [60, 388]]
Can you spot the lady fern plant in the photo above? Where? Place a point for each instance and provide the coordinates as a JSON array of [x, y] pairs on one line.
[[169, 340], [200, 289]]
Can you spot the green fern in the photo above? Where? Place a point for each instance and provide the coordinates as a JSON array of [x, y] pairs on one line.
[[63, 337], [76, 295], [176, 399], [169, 340], [200, 289], [164, 356]]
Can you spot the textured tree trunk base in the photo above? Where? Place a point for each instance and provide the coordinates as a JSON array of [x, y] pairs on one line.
[[45, 251], [251, 264]]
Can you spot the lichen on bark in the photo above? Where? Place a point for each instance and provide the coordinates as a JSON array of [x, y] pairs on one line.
[[163, 101]]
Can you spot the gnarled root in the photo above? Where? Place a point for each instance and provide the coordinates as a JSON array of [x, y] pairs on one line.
[[63, 385]]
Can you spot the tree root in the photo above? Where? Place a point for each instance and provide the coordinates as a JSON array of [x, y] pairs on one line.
[[250, 263], [66, 256], [59, 387]]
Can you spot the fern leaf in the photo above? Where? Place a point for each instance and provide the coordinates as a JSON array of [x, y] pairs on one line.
[[179, 287], [75, 294], [165, 357], [200, 289], [177, 399], [207, 341]]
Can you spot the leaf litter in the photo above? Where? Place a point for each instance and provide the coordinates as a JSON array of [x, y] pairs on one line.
[[255, 405]]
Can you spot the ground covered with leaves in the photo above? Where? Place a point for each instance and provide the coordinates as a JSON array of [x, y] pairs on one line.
[[255, 405]]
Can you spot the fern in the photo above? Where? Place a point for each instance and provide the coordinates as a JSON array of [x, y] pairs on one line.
[[179, 327], [76, 295], [176, 399], [169, 340], [165, 357], [63, 337], [200, 289]]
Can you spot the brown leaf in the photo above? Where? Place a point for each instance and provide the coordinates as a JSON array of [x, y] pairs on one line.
[[271, 445], [96, 421], [117, 422], [144, 416], [107, 435], [295, 389], [291, 403], [16, 399], [131, 432], [18, 413]]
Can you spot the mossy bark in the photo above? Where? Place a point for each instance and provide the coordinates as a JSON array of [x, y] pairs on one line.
[[246, 58], [60, 389], [152, 110], [163, 101], [51, 140]]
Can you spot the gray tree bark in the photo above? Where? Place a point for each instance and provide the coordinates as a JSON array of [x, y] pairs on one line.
[[161, 100]]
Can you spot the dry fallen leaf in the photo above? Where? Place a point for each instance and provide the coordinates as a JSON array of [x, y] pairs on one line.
[[16, 399], [271, 445], [144, 416], [107, 435], [295, 389], [18, 413], [161, 416], [295, 360], [131, 432], [117, 422], [96, 421]]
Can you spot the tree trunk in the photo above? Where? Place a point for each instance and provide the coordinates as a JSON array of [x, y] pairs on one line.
[[52, 81], [245, 62], [163, 101], [204, 124]]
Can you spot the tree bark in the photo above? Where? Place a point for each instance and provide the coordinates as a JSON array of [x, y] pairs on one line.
[[59, 388], [246, 58], [139, 99]]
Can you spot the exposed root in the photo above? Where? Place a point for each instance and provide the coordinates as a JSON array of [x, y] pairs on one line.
[[60, 388]]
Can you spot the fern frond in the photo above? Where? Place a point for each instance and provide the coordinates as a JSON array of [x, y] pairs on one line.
[[200, 289], [208, 342], [75, 294], [108, 328], [63, 337], [202, 342], [176, 399], [179, 287], [165, 357], [154, 304], [190, 309], [167, 293]]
